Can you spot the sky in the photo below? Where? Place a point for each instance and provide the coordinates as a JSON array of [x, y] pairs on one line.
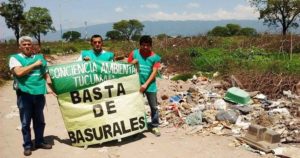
[[75, 13]]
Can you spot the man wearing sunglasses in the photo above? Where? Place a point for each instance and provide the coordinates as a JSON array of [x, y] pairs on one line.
[[30, 75], [97, 53]]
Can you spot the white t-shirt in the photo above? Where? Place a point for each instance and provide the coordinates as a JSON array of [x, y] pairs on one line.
[[13, 62]]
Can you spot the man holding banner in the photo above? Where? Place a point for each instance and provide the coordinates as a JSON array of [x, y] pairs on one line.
[[30, 76], [148, 64], [97, 53], [101, 101]]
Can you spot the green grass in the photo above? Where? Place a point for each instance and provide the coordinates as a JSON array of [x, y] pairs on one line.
[[219, 59]]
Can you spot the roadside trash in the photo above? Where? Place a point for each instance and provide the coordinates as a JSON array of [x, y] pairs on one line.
[[229, 115], [288, 94], [238, 96], [220, 104], [194, 118], [218, 130], [176, 99], [175, 109], [241, 124], [213, 95], [244, 109], [216, 74], [189, 98], [283, 111], [199, 107], [261, 138], [260, 96], [265, 104]]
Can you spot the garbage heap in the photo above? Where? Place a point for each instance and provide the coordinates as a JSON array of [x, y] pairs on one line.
[[201, 105]]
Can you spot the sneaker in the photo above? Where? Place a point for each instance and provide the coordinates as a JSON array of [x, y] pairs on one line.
[[27, 152], [155, 131], [43, 146]]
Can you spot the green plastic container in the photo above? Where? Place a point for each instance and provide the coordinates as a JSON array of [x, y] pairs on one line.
[[238, 96]]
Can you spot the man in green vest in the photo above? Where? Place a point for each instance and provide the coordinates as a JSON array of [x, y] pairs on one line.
[[97, 53], [148, 64], [29, 70]]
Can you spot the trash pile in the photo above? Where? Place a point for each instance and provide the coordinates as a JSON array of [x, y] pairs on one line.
[[201, 105]]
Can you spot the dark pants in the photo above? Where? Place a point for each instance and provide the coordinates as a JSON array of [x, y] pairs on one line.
[[152, 100], [31, 107]]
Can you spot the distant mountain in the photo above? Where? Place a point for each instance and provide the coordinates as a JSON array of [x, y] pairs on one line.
[[172, 28]]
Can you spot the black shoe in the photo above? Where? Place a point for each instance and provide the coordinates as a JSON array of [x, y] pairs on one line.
[[27, 152], [43, 146]]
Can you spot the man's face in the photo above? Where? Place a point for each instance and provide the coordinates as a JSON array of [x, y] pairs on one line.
[[26, 47], [145, 47], [97, 44]]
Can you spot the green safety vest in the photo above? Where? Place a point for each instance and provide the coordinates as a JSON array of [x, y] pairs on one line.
[[33, 82], [145, 69], [107, 56]]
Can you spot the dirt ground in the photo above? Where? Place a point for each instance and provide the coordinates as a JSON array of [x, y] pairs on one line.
[[173, 143]]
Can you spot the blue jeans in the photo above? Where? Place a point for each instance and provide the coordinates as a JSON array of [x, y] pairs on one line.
[[31, 107], [152, 100]]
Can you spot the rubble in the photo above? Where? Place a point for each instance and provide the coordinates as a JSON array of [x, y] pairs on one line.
[[198, 105]]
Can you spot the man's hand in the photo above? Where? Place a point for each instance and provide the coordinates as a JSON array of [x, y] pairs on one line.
[[86, 58], [143, 88], [134, 61], [38, 63], [51, 92]]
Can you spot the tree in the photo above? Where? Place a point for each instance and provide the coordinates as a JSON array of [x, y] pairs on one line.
[[233, 29], [13, 14], [248, 31], [37, 21], [219, 31], [278, 12], [71, 36], [129, 28], [114, 35]]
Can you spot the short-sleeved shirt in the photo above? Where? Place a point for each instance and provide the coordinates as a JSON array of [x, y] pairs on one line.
[[101, 56], [145, 55], [146, 62], [13, 62]]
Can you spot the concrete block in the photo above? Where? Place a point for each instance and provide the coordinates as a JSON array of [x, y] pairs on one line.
[[271, 136], [256, 132]]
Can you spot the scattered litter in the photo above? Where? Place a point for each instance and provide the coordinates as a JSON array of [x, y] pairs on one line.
[[238, 96], [194, 118], [229, 115], [202, 106]]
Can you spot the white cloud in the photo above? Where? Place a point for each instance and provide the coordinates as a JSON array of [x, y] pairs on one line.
[[150, 6], [239, 12], [119, 9], [177, 16], [193, 5]]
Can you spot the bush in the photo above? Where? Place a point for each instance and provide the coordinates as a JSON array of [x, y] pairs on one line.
[[70, 49]]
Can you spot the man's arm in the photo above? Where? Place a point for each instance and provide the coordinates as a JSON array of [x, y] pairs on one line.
[[149, 80], [49, 84], [20, 71]]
